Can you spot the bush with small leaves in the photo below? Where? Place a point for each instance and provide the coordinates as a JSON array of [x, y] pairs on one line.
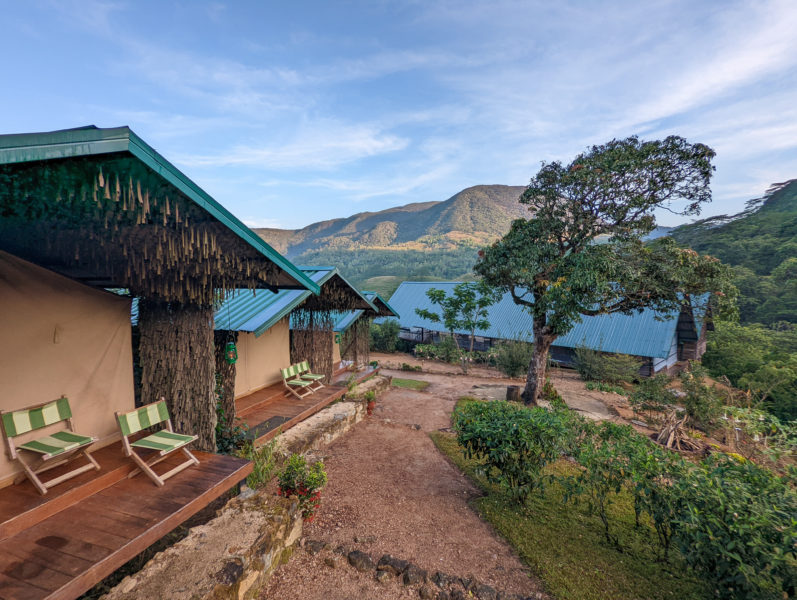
[[297, 479], [513, 357]]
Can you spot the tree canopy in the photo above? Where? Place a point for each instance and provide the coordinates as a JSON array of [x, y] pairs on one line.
[[581, 253]]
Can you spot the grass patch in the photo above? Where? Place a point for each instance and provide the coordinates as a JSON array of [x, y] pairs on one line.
[[564, 544], [410, 384]]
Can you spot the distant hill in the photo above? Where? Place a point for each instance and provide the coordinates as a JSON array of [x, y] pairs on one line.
[[761, 244], [473, 217]]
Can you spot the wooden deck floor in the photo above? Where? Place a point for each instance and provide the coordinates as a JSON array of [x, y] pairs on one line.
[[58, 546], [271, 410]]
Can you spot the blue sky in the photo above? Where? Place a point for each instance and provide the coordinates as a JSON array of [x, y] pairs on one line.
[[293, 112]]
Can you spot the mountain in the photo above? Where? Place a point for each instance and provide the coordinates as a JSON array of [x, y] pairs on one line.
[[760, 243], [473, 217]]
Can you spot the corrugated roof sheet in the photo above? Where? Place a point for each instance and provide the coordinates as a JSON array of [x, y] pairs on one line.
[[256, 311], [640, 334], [344, 320]]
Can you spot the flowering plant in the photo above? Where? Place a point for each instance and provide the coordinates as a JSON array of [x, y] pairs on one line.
[[297, 479]]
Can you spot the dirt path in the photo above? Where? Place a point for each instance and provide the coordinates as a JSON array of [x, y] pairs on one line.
[[391, 492]]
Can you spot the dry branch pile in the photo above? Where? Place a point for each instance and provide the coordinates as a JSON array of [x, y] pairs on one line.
[[675, 436]]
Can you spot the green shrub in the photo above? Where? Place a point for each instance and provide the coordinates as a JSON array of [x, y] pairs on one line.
[[230, 437], [446, 350], [736, 525], [515, 442], [593, 365], [605, 387], [652, 394], [297, 479], [513, 357], [264, 463], [701, 401], [384, 336]]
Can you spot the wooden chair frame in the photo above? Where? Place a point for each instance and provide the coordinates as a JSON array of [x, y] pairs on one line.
[[303, 368], [44, 462], [145, 466], [302, 384]]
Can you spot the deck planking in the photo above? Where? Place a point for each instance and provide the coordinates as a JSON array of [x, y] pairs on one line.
[[63, 555], [260, 406]]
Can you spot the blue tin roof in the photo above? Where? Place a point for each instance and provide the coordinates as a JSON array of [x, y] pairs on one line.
[[256, 311], [639, 334], [344, 320]]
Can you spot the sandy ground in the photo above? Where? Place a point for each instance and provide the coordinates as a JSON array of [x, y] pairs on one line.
[[391, 492]]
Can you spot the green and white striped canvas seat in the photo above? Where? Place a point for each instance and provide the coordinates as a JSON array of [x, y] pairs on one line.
[[290, 375], [57, 443], [163, 441], [144, 417], [304, 371], [22, 421]]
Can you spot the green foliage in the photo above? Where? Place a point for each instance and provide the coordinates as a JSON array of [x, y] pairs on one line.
[[446, 350], [513, 357], [230, 437], [757, 358], [652, 395], [384, 336], [264, 462], [465, 309], [554, 268], [515, 442], [735, 524], [605, 387], [297, 479], [761, 244], [409, 367], [593, 365], [579, 565], [768, 434], [702, 403]]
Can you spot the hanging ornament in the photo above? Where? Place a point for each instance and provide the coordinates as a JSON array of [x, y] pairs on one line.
[[230, 353]]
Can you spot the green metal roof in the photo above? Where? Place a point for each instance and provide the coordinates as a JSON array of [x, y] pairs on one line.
[[92, 141]]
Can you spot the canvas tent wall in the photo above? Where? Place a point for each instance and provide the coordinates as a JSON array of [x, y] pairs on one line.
[[352, 330], [657, 339], [60, 337]]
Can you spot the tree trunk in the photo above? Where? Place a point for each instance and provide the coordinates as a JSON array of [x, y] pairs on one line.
[[535, 379], [178, 363], [472, 339], [225, 374]]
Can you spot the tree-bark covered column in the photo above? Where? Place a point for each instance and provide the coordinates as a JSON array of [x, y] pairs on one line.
[[225, 374], [178, 363]]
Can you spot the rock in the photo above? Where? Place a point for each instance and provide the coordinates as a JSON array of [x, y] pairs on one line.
[[416, 427], [332, 561], [360, 561], [443, 595], [344, 550], [392, 564], [441, 580], [314, 546], [231, 572], [367, 539], [384, 576], [467, 583], [426, 592], [414, 575], [485, 592]]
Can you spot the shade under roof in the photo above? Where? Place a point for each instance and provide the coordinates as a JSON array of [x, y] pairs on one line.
[[102, 207]]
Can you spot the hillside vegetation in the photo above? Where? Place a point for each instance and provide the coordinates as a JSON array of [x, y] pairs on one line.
[[761, 245]]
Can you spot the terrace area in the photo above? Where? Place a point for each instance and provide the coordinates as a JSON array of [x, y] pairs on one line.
[[60, 545]]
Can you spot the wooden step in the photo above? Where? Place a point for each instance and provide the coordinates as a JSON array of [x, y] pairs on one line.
[[22, 506]]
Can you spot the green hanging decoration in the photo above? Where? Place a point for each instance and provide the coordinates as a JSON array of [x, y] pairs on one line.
[[231, 353]]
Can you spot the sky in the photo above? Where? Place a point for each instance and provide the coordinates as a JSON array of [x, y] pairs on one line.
[[289, 113]]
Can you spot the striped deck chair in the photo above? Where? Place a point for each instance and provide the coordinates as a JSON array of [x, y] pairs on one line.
[[51, 450], [162, 442], [305, 373], [294, 384]]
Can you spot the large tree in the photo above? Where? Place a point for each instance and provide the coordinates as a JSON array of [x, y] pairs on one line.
[[581, 253]]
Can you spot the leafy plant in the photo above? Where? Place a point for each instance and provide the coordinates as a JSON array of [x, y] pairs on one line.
[[593, 365], [513, 357], [515, 442], [652, 395], [297, 479], [605, 387], [264, 461], [736, 525], [701, 402], [230, 437], [384, 336]]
